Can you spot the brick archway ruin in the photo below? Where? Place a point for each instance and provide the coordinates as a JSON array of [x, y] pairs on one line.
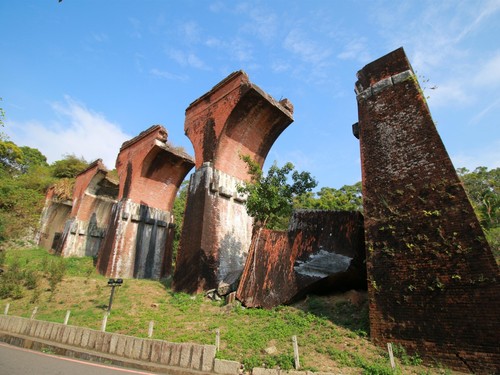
[[235, 118], [139, 240]]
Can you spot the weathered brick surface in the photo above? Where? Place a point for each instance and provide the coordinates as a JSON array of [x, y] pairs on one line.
[[321, 251], [93, 197], [432, 279], [54, 215], [235, 118], [138, 242]]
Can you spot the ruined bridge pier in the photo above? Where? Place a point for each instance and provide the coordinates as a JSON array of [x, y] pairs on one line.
[[432, 280], [235, 118], [94, 195], [139, 239]]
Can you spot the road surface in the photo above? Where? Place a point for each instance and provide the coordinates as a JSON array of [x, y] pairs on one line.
[[18, 361]]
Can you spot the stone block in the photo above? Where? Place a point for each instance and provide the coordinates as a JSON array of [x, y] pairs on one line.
[[209, 352], [196, 357], [186, 352], [156, 351], [222, 366], [175, 354], [265, 371], [137, 348], [146, 350]]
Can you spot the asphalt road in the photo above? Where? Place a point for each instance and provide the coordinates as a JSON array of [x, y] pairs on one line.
[[18, 361]]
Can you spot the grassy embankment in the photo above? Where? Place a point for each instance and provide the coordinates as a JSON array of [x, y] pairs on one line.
[[331, 331]]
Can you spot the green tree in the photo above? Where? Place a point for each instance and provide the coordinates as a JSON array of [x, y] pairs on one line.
[[32, 157], [347, 198], [270, 197], [69, 166], [483, 189], [11, 156], [178, 212]]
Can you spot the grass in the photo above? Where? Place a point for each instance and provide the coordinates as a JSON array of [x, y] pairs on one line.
[[331, 331]]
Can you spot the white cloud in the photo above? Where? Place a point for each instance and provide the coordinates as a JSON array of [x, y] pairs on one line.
[[481, 157], [263, 23], [489, 73], [356, 49], [307, 50], [447, 93], [187, 59], [190, 31], [168, 75], [478, 117], [78, 131], [136, 28], [238, 49], [100, 37]]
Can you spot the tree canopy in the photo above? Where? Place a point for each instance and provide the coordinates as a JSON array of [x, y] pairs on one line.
[[270, 197], [69, 166], [347, 198]]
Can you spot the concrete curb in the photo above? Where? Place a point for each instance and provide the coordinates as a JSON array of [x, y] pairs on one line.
[[85, 342]]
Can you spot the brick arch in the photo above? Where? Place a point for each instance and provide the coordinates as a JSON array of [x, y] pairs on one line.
[[251, 129], [169, 166]]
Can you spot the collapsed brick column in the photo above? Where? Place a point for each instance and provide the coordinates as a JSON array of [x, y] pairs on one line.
[[94, 195], [432, 279], [138, 242], [55, 213], [321, 251], [235, 118]]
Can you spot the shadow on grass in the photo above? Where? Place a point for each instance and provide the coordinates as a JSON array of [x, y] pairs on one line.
[[340, 310]]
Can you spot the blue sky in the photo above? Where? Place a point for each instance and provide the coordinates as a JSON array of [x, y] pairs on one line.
[[83, 76]]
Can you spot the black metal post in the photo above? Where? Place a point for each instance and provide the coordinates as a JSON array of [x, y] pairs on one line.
[[113, 283]]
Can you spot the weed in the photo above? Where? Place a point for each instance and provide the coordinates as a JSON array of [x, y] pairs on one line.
[[409, 360]]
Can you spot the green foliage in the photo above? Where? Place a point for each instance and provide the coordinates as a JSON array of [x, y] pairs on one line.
[[24, 270], [370, 367], [347, 198], [68, 167], [409, 360], [31, 158], [282, 361], [178, 212], [270, 198], [11, 156], [12, 281], [483, 189], [185, 302], [20, 205]]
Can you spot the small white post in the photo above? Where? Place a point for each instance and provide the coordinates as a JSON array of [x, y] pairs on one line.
[[150, 329], [6, 311], [217, 339], [391, 355], [66, 318], [34, 313], [104, 321], [296, 352]]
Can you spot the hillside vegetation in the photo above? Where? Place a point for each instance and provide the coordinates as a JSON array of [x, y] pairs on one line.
[[332, 331]]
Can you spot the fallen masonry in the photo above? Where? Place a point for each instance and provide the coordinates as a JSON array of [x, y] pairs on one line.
[[322, 251]]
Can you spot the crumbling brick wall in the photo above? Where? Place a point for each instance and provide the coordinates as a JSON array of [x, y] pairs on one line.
[[321, 251], [55, 213], [139, 240], [235, 118], [93, 197], [432, 280]]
